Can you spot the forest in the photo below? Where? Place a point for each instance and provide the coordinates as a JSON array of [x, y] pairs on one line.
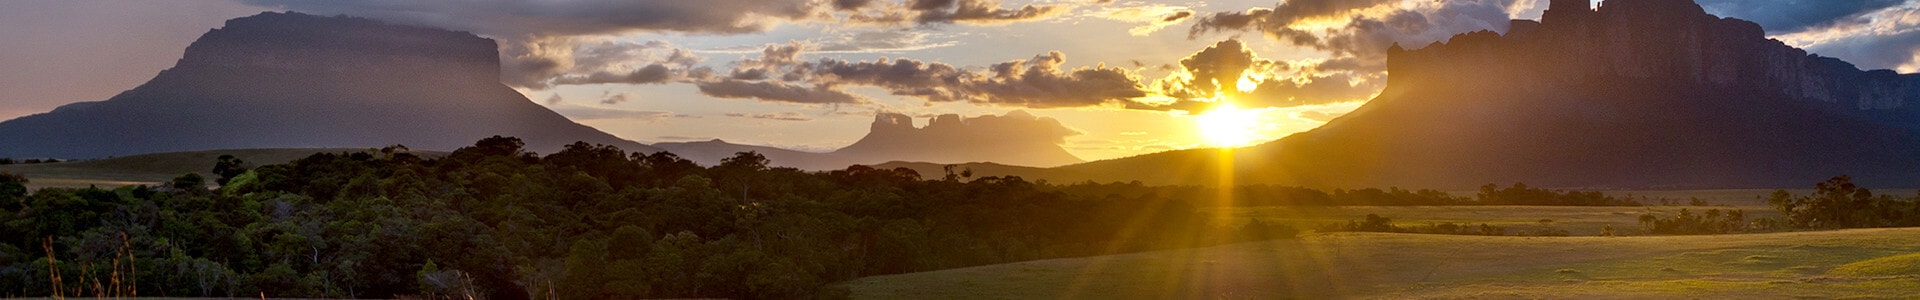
[[595, 222], [587, 222]]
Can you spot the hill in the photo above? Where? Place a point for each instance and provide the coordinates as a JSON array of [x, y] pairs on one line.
[[291, 80], [1636, 94], [1374, 265]]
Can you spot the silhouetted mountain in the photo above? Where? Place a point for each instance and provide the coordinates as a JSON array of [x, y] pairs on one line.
[[281, 80], [710, 153], [1639, 93], [1017, 138]]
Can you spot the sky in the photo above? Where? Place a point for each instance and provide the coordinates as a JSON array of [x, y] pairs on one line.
[[1129, 76]]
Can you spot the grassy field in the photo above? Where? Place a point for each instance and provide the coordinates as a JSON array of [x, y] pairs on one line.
[[1862, 263], [148, 168]]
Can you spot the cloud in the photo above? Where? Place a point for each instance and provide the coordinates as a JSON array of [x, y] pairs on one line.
[[775, 91], [1228, 71], [597, 17], [1787, 16], [984, 12], [1363, 28], [785, 116], [1039, 82], [587, 113], [613, 98], [1152, 17], [546, 43], [1885, 39], [872, 41], [547, 62]]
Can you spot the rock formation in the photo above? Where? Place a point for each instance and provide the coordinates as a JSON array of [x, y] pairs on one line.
[[1017, 138], [285, 80]]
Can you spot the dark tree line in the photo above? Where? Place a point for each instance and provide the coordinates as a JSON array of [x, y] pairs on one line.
[[1838, 203], [588, 222], [1276, 195]]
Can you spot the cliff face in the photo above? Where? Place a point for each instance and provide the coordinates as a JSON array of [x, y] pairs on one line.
[[1017, 138], [1667, 41], [1638, 93], [294, 80]]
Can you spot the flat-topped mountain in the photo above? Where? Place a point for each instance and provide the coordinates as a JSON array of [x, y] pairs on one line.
[[1638, 93], [291, 80], [1017, 138]]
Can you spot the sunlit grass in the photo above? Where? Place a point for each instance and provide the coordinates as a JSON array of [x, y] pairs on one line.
[[1376, 265]]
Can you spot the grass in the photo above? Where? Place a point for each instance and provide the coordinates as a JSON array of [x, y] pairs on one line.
[[1377, 265], [149, 168]]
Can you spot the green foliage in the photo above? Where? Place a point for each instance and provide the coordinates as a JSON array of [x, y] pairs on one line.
[[1838, 203], [588, 222], [1377, 223]]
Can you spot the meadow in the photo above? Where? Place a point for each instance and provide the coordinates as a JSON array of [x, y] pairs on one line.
[[1855, 263]]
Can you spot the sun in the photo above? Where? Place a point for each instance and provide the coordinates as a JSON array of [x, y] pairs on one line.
[[1228, 126]]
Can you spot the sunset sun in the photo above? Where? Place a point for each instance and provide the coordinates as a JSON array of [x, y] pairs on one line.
[[1228, 126]]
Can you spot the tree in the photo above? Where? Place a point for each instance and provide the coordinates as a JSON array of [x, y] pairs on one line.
[[12, 186], [227, 167]]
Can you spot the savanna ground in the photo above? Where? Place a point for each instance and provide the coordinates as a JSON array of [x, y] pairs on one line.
[[148, 169], [1860, 263]]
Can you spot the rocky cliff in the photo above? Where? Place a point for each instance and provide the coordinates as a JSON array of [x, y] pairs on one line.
[[293, 80], [1017, 138]]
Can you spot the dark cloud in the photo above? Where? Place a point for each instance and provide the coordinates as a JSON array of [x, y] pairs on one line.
[[785, 116], [1363, 34], [1038, 82], [510, 18], [979, 11], [547, 62], [1784, 16], [613, 98], [555, 99], [775, 91]]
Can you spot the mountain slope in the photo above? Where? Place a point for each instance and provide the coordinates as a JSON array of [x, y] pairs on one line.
[[290, 80], [1648, 93]]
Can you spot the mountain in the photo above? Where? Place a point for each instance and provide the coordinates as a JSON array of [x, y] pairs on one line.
[[291, 80], [710, 153], [1017, 138], [1638, 93]]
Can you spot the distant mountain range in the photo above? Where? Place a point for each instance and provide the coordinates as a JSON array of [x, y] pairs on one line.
[[292, 80], [1646, 93]]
